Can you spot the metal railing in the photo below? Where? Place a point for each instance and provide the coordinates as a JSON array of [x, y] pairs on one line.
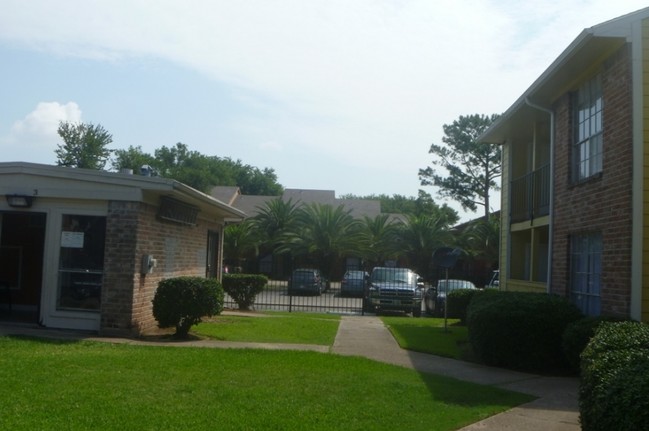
[[530, 195]]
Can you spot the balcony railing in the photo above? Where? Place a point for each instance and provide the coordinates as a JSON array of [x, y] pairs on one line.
[[530, 195]]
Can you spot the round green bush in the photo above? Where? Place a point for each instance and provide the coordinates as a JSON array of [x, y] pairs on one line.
[[181, 302], [520, 330], [577, 335], [244, 288], [614, 378]]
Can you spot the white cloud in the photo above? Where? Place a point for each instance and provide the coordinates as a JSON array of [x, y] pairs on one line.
[[36, 134], [362, 82]]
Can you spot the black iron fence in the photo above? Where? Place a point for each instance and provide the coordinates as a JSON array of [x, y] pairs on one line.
[[276, 297]]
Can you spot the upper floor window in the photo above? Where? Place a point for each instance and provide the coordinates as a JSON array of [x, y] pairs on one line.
[[587, 149]]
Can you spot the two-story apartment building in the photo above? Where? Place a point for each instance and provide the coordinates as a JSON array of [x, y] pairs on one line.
[[575, 185]]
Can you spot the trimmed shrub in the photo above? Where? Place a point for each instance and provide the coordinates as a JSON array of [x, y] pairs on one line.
[[181, 302], [457, 303], [615, 378], [244, 288], [577, 335], [520, 330]]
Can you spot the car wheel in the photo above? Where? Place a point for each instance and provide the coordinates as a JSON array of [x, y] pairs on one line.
[[417, 312]]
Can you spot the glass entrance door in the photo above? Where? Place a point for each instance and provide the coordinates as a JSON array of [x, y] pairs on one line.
[[81, 262]]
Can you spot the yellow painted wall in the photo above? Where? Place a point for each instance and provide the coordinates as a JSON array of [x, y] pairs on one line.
[[526, 286], [504, 216], [645, 134]]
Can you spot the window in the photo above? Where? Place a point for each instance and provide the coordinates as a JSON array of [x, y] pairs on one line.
[[587, 149], [586, 272]]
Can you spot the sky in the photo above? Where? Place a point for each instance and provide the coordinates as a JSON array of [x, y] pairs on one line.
[[343, 95]]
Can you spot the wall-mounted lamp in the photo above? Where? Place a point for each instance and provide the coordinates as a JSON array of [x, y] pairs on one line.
[[19, 201]]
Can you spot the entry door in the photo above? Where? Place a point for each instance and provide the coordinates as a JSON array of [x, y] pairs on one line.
[[22, 239], [81, 263], [72, 295]]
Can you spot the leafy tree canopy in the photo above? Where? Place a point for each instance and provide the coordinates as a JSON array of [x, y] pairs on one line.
[[471, 168], [200, 171], [84, 145], [423, 204]]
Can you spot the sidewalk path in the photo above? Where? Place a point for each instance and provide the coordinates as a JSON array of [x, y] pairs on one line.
[[556, 409]]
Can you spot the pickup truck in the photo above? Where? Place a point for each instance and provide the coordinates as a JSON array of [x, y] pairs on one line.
[[395, 289]]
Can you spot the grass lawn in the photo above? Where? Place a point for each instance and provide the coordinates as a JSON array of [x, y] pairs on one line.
[[52, 385], [428, 335], [296, 328]]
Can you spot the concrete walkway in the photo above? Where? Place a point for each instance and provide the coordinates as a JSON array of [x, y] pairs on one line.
[[556, 408]]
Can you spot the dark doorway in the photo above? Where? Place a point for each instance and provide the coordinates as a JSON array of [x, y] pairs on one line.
[[22, 239], [212, 268]]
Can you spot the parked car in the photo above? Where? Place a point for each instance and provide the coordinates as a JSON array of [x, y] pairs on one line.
[[353, 283], [306, 281], [494, 282], [435, 297], [398, 289]]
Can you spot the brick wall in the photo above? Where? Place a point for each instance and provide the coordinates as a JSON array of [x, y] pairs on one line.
[[119, 266], [603, 203], [133, 230]]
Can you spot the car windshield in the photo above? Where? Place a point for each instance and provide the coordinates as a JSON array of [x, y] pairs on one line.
[[355, 275], [303, 275], [393, 275]]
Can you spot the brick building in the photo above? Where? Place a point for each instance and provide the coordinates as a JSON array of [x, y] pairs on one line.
[[85, 249], [575, 209]]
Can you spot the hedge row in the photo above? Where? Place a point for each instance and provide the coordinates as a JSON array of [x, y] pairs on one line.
[[614, 386], [520, 330]]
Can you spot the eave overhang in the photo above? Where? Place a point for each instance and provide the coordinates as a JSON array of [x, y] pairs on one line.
[[576, 62]]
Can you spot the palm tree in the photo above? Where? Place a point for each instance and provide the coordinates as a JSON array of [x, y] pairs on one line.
[[274, 218], [240, 242], [420, 237], [378, 238], [324, 234], [481, 239]]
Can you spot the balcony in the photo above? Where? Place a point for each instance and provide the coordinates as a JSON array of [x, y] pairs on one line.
[[530, 195]]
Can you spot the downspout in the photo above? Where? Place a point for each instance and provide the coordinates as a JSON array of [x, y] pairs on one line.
[[551, 210], [638, 219]]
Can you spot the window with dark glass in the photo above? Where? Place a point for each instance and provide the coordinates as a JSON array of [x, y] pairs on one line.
[[586, 272], [587, 149], [81, 262]]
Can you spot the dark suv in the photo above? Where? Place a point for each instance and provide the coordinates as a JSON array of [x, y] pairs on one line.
[[398, 289], [306, 281]]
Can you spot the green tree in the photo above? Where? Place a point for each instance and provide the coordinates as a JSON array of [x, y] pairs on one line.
[[324, 234], [423, 204], [84, 145], [378, 239], [240, 243], [420, 237], [200, 171], [472, 168], [131, 158], [275, 218], [481, 239]]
